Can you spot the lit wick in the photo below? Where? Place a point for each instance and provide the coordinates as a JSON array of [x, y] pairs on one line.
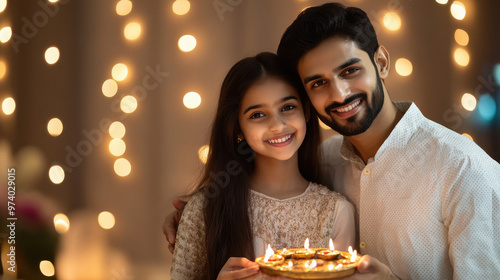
[[305, 253], [328, 254], [269, 253]]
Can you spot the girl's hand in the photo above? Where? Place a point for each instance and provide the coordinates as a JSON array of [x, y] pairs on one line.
[[239, 268]]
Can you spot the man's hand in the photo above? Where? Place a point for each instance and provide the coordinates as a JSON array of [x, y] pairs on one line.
[[371, 268], [172, 222], [239, 268]]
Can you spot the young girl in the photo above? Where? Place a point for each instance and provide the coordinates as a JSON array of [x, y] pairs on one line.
[[257, 187]]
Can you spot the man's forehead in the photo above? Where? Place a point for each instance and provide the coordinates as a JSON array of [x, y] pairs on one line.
[[331, 53]]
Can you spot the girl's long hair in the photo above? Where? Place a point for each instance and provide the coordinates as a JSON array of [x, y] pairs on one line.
[[226, 177]]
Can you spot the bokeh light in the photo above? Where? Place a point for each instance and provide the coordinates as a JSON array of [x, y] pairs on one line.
[[404, 67], [469, 102], [106, 220], [132, 31], [122, 167], [128, 104], [461, 37], [52, 55], [119, 72], [442, 2], [56, 174], [181, 7], [192, 100], [123, 7], [203, 153], [61, 223], [47, 268], [496, 73], [468, 136], [323, 125], [109, 88], [117, 130], [55, 127], [8, 105], [461, 57], [457, 9], [486, 107], [117, 147], [187, 43], [392, 21], [3, 4], [5, 34], [3, 69]]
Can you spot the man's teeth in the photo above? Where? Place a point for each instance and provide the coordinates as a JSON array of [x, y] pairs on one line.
[[280, 140], [348, 108]]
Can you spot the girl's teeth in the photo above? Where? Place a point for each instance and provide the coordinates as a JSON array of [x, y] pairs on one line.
[[348, 108], [281, 140]]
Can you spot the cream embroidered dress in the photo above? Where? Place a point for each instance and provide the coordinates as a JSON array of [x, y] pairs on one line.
[[318, 214]]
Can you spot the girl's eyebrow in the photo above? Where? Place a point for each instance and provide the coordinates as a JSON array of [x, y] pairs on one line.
[[284, 99]]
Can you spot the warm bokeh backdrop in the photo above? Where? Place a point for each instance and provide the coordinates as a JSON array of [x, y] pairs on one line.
[[74, 67]]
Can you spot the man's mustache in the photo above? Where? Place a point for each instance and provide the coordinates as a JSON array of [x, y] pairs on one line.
[[348, 100]]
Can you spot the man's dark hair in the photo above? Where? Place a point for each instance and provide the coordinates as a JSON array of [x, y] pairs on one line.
[[315, 24]]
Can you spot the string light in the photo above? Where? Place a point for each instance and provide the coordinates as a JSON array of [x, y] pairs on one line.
[[8, 105], [5, 34], [187, 43], [442, 2], [61, 223], [192, 100], [122, 167], [117, 147], [55, 127], [47, 268], [461, 57], [56, 174], [117, 130], [52, 55], [123, 7], [109, 88], [128, 104], [132, 31], [203, 153], [457, 10], [392, 21], [106, 220], [119, 72], [3, 4], [181, 7], [461, 37], [469, 102], [404, 67], [3, 69]]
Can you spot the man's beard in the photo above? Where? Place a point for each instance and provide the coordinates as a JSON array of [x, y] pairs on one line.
[[355, 125]]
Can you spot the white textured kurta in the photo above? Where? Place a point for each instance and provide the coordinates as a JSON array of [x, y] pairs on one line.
[[318, 214], [427, 204]]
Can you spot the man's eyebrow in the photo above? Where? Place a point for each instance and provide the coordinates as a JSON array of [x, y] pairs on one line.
[[348, 63], [284, 99]]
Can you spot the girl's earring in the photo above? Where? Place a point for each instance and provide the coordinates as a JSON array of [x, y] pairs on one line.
[[239, 139]]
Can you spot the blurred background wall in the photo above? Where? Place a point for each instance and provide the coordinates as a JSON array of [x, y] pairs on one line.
[[71, 69]]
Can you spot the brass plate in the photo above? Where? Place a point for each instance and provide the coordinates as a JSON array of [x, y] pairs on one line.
[[298, 271]]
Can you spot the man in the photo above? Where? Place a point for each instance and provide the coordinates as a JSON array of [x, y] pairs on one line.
[[427, 198]]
